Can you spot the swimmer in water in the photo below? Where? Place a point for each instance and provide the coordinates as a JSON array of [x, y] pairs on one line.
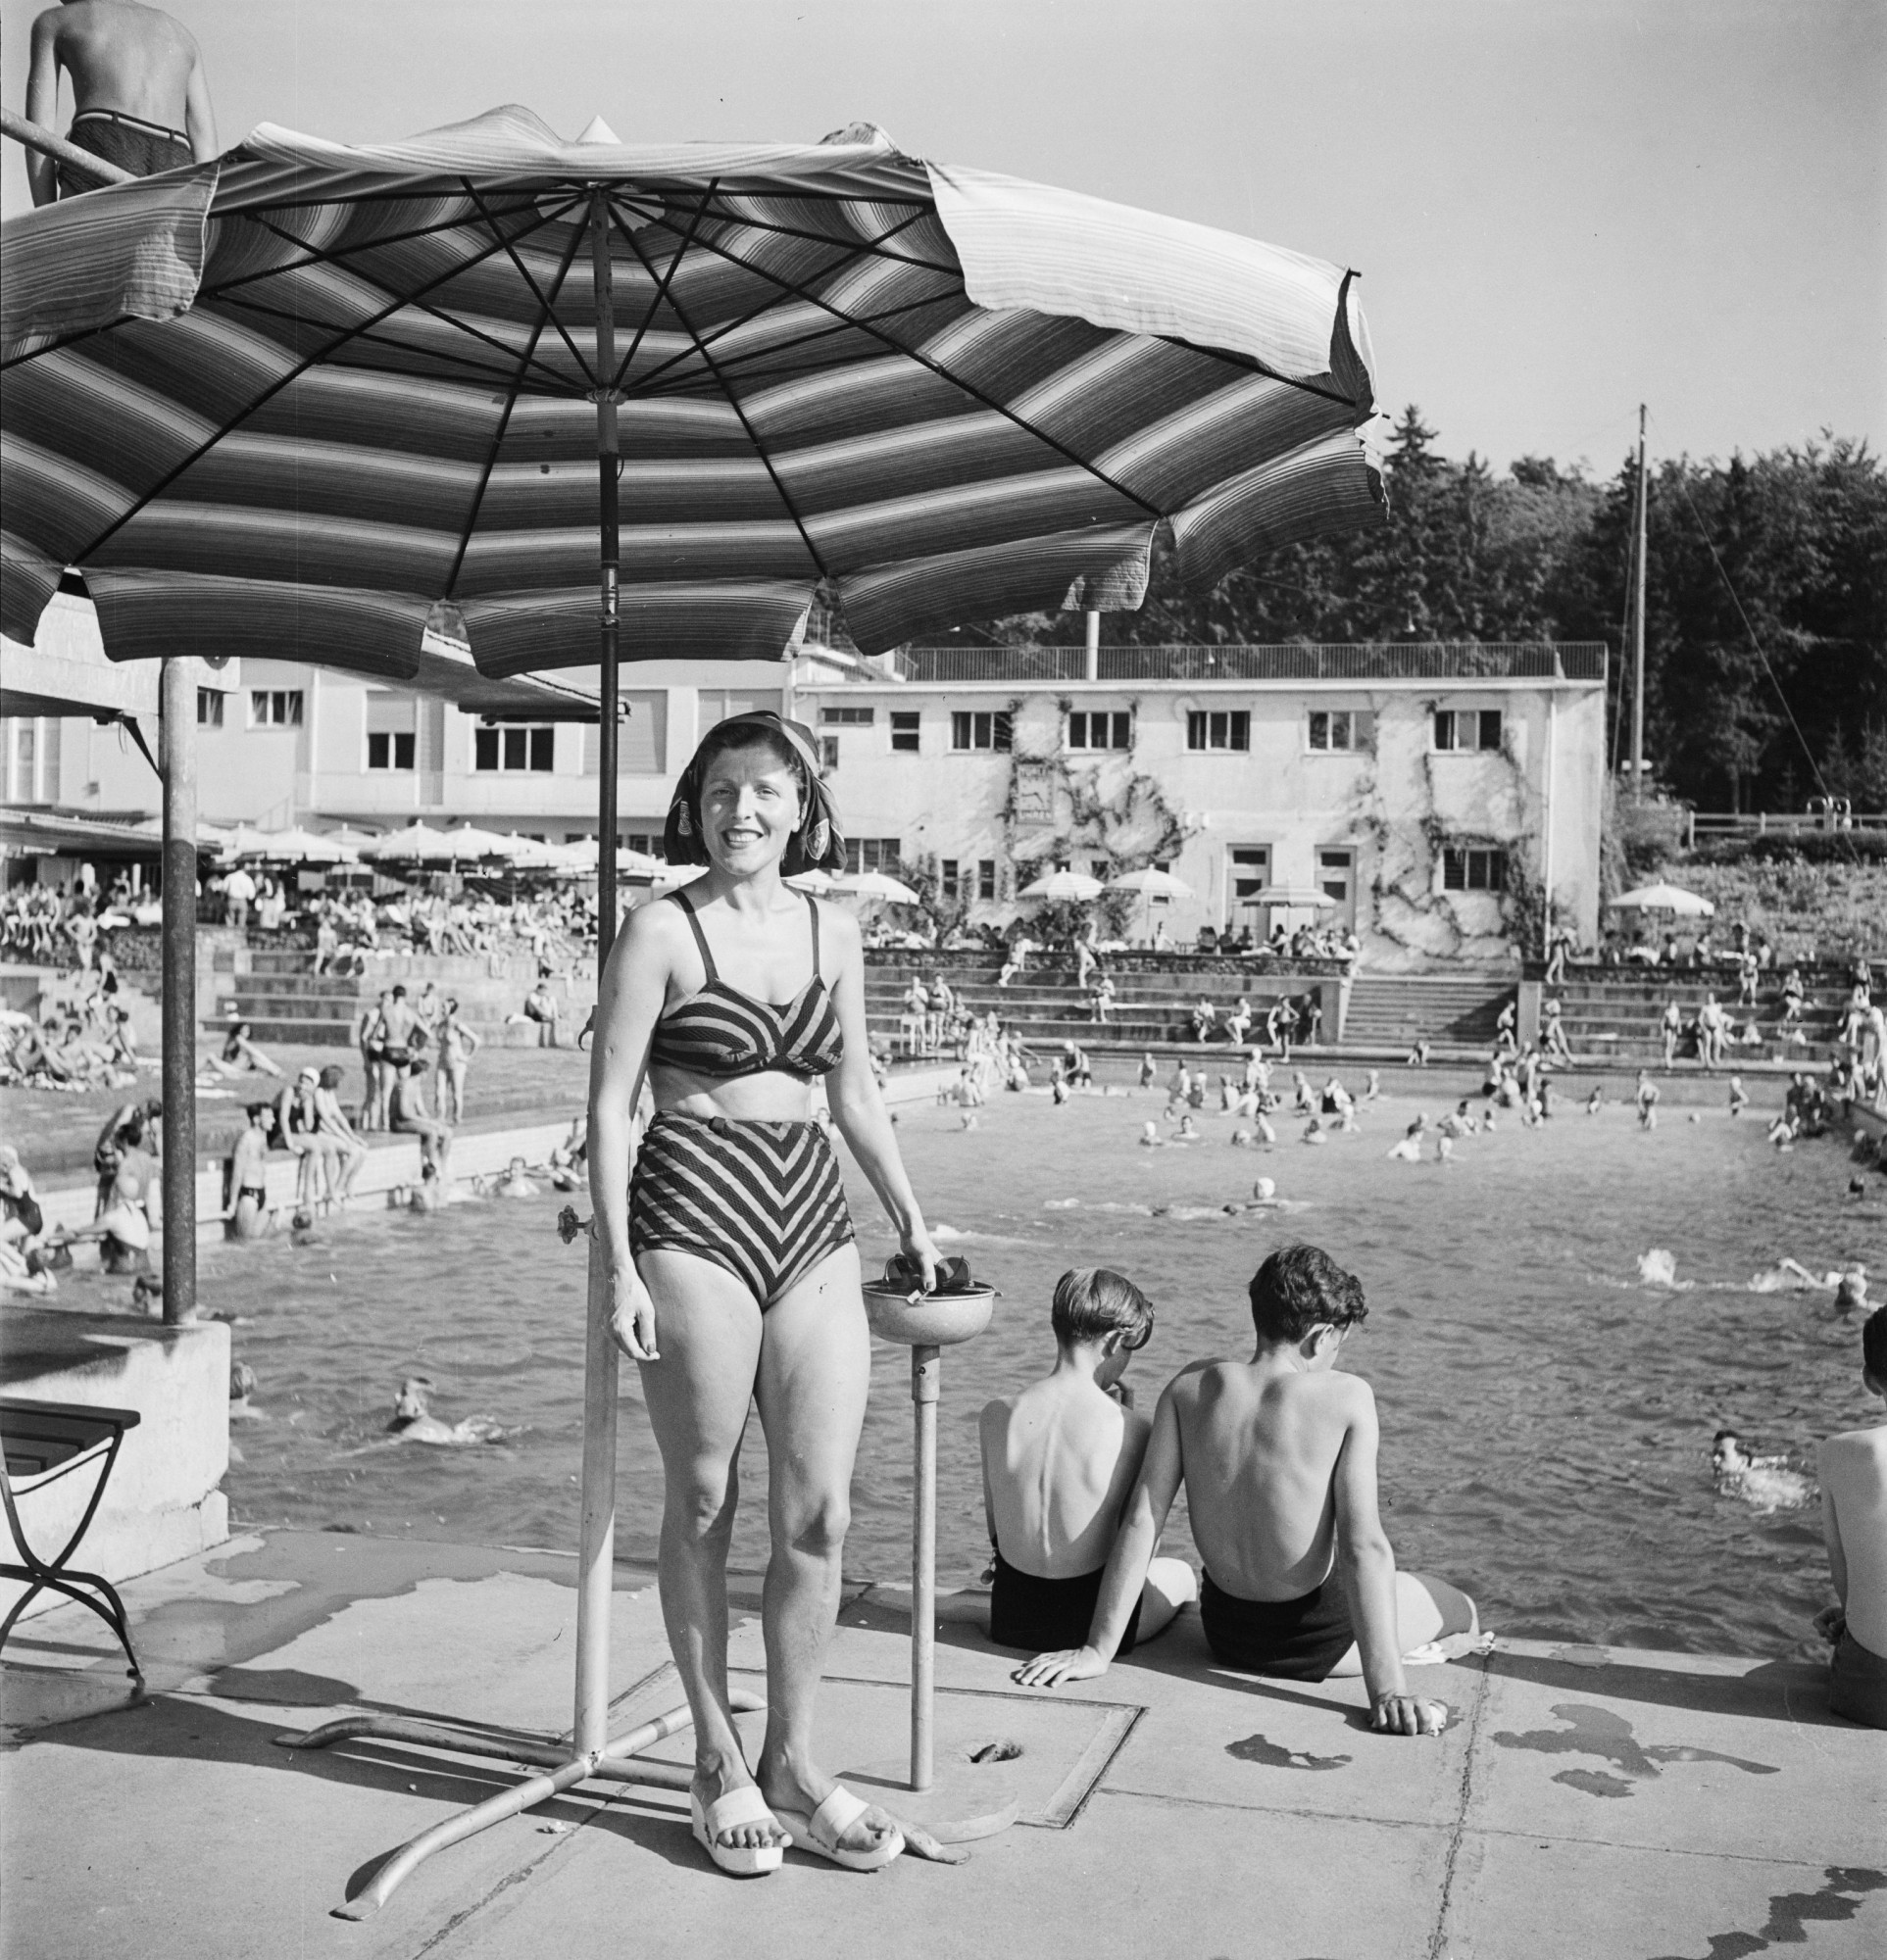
[[1595, 1102], [413, 1422], [1150, 1137], [1372, 1089], [1792, 1276], [1407, 1148], [1148, 1072], [1313, 1132], [1188, 1131], [514, 1183], [1646, 1098], [1739, 1095], [1767, 1482]]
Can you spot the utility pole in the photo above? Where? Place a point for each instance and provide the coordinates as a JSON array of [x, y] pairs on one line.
[[1638, 625]]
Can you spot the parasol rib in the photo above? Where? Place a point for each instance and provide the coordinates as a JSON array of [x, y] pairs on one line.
[[760, 448], [249, 408], [546, 305], [504, 419]]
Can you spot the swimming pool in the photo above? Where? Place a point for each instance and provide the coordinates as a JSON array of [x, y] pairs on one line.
[[1545, 1419]]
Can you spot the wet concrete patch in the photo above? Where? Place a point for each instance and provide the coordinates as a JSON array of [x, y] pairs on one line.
[[1601, 1731]]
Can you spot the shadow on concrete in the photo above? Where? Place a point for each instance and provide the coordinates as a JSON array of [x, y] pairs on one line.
[[1778, 1691]]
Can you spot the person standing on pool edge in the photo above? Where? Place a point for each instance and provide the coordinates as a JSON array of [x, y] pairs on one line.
[[732, 1267], [1853, 1469], [140, 98]]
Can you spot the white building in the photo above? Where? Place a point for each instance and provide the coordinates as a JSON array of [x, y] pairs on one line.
[[1433, 792]]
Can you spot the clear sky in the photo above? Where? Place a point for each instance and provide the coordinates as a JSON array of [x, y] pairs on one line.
[[1560, 208]]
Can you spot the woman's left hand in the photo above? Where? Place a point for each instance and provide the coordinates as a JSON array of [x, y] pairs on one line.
[[917, 1247]]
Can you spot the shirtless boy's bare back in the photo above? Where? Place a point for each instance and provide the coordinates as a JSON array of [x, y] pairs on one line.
[[1059, 1460], [140, 96], [1278, 1458]]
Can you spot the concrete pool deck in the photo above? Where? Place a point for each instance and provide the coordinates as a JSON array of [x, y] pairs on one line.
[[1584, 1802]]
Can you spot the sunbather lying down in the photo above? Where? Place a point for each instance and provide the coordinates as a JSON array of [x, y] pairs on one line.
[[1278, 1458]]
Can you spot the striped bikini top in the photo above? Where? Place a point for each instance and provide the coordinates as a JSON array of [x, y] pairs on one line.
[[722, 1031]]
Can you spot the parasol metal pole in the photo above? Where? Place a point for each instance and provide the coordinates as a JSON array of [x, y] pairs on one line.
[[596, 1549], [81, 163], [926, 1385], [1640, 525], [177, 759]]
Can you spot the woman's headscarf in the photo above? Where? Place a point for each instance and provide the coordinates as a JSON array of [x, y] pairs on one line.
[[818, 845]]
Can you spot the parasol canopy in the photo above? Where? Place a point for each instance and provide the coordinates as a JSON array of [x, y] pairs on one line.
[[1303, 898], [1150, 884], [417, 843], [1064, 888], [874, 885], [327, 397], [470, 843], [294, 846], [1665, 899]]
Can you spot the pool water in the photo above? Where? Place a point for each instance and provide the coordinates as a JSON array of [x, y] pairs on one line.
[[1546, 1418]]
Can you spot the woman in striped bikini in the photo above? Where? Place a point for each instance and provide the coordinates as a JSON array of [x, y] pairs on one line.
[[733, 1272]]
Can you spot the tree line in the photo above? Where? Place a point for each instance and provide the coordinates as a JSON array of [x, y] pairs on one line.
[[1765, 617]]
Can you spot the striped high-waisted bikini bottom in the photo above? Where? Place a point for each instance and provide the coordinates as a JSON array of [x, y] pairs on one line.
[[763, 1199]]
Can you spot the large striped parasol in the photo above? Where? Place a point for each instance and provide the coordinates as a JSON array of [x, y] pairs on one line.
[[325, 395]]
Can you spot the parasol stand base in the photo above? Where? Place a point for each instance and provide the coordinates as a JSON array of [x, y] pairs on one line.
[[964, 1801]]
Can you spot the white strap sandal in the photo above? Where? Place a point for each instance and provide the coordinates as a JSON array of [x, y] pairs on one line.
[[821, 1833], [744, 1805]]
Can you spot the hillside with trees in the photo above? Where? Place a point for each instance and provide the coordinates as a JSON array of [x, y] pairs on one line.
[[1766, 615]]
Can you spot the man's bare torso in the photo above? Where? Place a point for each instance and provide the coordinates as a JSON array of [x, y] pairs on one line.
[[1260, 1453], [121, 56]]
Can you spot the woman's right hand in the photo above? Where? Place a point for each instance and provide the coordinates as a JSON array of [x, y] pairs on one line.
[[632, 1312]]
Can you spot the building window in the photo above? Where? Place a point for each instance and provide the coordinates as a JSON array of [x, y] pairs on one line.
[[209, 707], [846, 718], [275, 707], [507, 749], [1341, 730], [1468, 728], [1467, 870], [905, 724], [873, 853], [1112, 730], [948, 879], [985, 877], [980, 731], [1099, 867], [389, 752], [1250, 871], [1216, 728]]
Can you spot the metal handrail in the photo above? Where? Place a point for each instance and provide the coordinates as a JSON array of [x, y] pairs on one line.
[[1359, 660]]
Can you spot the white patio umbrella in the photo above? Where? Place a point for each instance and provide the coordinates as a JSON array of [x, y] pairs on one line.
[[818, 883], [1665, 899], [417, 843], [470, 843], [1301, 898], [1151, 883], [530, 853], [874, 885], [294, 846], [1064, 888]]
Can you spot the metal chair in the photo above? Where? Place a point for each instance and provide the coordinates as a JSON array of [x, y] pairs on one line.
[[44, 1442]]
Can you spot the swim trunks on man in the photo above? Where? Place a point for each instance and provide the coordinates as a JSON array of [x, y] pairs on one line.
[[1048, 1615], [129, 141], [1293, 1640]]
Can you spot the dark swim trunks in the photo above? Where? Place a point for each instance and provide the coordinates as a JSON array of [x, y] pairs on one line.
[[129, 141], [1047, 1615], [1294, 1639], [1858, 1683]]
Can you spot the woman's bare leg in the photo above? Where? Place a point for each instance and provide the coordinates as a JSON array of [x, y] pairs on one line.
[[708, 1328], [815, 1371]]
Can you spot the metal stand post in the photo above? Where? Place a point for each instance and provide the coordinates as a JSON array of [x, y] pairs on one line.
[[926, 1384], [178, 745]]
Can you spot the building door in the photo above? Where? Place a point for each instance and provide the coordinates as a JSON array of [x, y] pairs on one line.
[[1248, 870], [1336, 874]]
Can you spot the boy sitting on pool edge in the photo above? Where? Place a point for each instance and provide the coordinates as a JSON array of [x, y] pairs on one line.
[[1059, 1463], [1278, 1457]]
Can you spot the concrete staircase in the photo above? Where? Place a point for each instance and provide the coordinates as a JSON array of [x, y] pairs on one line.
[[285, 999], [1622, 1018], [1391, 1010]]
